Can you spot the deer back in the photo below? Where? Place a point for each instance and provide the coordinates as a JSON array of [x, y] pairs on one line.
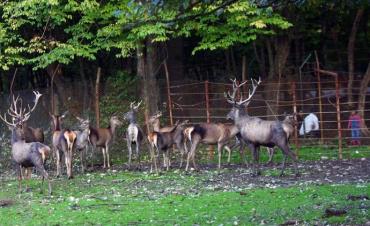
[[260, 131]]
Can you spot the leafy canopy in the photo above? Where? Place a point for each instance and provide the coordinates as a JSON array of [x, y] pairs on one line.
[[46, 31]]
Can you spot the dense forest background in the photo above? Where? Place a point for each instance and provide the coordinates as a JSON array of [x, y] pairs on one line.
[[124, 48]]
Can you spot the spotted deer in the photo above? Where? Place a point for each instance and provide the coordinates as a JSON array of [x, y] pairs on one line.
[[255, 131]]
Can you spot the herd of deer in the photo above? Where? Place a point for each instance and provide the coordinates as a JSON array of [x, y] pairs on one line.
[[28, 149]]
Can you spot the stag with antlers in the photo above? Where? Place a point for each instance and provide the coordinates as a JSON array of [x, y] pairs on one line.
[[255, 131], [24, 154]]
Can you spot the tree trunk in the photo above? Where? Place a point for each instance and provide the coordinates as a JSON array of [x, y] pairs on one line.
[[146, 58], [350, 49], [65, 92], [362, 99]]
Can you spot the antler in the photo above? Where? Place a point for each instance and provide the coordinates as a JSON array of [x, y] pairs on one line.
[[255, 84], [231, 97], [19, 115], [133, 107], [30, 110]]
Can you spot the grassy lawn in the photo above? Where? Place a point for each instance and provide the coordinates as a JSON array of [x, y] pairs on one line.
[[174, 197]]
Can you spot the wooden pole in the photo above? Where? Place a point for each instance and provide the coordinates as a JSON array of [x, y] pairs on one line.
[[296, 141], [168, 91], [97, 87], [339, 127], [338, 118], [206, 92], [320, 100]]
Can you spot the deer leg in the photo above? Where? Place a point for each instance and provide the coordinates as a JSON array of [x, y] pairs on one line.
[[129, 152], [82, 160], [103, 150], [229, 150], [287, 152], [219, 149], [58, 161], [271, 155], [138, 151], [19, 169], [45, 175], [167, 159], [255, 159], [108, 157]]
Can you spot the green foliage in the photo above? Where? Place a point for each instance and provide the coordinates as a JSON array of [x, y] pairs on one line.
[[42, 32]]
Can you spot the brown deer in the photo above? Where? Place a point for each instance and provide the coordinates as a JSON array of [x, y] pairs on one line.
[[256, 132], [103, 137], [24, 154], [289, 124], [180, 142], [64, 141], [162, 141], [134, 134], [82, 141], [211, 134]]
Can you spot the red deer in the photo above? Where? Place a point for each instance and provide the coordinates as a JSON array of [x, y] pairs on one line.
[[255, 131], [24, 154], [211, 134], [30, 134], [64, 141], [103, 137], [134, 134], [82, 141], [180, 139], [162, 141], [289, 123]]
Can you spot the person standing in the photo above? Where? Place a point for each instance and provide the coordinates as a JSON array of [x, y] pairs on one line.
[[354, 124]]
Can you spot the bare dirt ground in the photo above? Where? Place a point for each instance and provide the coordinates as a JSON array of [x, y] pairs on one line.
[[237, 177]]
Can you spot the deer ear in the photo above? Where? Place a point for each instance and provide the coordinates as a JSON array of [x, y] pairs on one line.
[[64, 114]]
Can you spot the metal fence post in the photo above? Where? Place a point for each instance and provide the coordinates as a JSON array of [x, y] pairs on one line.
[[320, 101]]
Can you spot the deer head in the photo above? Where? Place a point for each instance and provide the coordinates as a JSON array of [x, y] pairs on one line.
[[130, 115], [153, 118], [242, 103], [57, 120], [19, 114], [84, 123]]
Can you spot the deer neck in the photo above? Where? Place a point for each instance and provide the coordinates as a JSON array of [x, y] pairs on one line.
[[57, 125], [156, 125], [15, 136], [112, 128]]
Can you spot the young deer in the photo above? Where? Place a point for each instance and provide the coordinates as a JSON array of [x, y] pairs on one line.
[[162, 141], [155, 123], [255, 131], [211, 134], [134, 134], [82, 141], [24, 154], [64, 142], [103, 137], [289, 123]]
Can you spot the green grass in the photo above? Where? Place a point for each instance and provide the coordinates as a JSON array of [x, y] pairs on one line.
[[176, 198]]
